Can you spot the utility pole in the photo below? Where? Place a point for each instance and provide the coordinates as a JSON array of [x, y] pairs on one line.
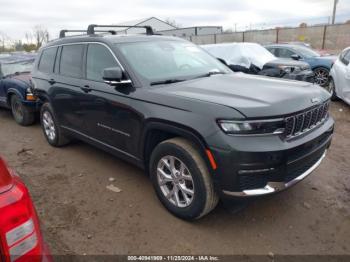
[[334, 10]]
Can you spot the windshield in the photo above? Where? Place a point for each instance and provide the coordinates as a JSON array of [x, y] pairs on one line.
[[11, 68], [243, 54], [306, 52], [165, 60]]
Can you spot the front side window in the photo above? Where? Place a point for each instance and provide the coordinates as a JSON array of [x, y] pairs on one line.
[[162, 60], [98, 59], [72, 60], [47, 60]]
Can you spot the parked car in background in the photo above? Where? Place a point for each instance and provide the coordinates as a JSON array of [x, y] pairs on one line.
[[339, 81], [254, 59], [20, 235], [15, 87], [199, 130], [321, 65]]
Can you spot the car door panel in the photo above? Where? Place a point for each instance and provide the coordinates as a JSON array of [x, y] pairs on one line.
[[68, 98], [106, 109]]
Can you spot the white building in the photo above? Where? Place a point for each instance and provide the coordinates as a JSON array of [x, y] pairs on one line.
[[155, 23], [192, 31]]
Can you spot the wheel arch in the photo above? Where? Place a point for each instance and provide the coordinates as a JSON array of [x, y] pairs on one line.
[[12, 91], [157, 131]]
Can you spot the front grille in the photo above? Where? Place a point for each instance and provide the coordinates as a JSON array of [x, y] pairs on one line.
[[303, 122]]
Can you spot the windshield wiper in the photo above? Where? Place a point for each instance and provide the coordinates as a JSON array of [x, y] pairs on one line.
[[211, 73], [168, 81]]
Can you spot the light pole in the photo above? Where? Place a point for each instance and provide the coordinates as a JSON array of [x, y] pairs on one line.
[[334, 10]]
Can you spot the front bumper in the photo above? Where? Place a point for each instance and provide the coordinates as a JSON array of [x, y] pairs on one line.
[[274, 187], [305, 75], [257, 166]]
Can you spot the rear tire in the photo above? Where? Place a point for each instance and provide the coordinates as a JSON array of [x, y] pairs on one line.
[[52, 132], [187, 191], [22, 115]]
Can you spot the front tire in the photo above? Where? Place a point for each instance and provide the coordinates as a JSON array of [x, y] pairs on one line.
[[50, 127], [20, 113], [181, 179]]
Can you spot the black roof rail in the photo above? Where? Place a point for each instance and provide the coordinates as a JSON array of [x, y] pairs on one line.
[[91, 28], [63, 32]]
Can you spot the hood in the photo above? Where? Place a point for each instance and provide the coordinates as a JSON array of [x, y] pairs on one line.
[[23, 78], [287, 62], [328, 58], [253, 96]]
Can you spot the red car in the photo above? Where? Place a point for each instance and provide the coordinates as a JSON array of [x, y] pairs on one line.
[[20, 236]]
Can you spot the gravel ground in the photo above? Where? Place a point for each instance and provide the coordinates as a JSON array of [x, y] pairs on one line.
[[81, 216]]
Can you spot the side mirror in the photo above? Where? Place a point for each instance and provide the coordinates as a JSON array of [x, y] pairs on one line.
[[222, 61], [114, 76], [295, 57]]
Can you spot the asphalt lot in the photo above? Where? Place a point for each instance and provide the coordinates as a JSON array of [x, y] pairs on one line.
[[80, 216]]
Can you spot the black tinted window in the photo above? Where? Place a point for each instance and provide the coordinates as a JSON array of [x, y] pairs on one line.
[[72, 60], [98, 58], [47, 60]]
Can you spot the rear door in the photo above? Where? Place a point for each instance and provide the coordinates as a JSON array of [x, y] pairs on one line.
[[68, 96]]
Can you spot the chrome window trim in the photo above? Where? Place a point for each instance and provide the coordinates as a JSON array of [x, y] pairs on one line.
[[90, 42]]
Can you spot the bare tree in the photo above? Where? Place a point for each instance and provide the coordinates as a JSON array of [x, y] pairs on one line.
[[172, 22], [3, 40], [40, 35], [29, 37]]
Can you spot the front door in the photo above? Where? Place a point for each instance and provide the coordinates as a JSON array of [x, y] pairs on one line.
[[107, 112]]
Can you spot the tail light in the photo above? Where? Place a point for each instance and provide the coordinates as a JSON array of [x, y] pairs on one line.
[[20, 236]]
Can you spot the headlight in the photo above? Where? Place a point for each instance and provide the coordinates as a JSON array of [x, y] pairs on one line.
[[290, 69], [253, 127]]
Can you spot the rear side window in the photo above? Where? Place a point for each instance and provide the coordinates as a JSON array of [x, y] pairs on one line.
[[47, 60], [72, 61], [98, 58]]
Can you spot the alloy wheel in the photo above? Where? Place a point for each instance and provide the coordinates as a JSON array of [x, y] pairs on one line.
[[175, 181], [49, 126], [321, 76]]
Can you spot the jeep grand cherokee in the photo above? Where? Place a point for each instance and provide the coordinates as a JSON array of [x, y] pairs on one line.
[[200, 131]]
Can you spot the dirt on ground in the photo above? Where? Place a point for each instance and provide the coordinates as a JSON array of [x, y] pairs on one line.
[[80, 215]]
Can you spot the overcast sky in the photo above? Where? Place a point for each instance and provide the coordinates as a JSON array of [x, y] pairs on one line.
[[19, 16]]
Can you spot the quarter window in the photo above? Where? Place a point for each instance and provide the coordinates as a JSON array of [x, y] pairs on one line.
[[98, 59], [47, 60], [72, 60]]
